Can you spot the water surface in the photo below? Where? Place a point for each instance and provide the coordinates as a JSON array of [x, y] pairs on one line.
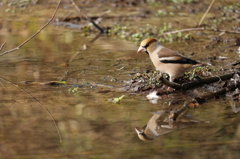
[[91, 126]]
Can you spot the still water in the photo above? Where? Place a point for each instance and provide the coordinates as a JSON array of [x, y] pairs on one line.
[[91, 126]]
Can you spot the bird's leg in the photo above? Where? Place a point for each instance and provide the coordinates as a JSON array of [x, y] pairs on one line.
[[171, 79]]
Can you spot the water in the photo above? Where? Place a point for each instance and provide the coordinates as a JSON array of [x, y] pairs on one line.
[[91, 125]]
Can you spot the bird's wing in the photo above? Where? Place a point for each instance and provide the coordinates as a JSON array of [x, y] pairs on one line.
[[166, 55], [178, 59]]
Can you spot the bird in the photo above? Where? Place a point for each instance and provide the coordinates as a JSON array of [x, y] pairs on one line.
[[166, 60], [154, 127], [165, 121]]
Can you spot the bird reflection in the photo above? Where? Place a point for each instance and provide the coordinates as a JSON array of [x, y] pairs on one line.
[[163, 122]]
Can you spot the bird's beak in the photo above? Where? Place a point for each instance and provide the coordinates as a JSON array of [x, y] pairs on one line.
[[139, 130], [140, 49]]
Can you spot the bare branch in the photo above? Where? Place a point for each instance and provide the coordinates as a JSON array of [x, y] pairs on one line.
[[196, 29], [182, 30], [18, 47], [85, 16], [226, 31], [192, 84], [209, 7], [202, 99], [2, 45], [43, 106]]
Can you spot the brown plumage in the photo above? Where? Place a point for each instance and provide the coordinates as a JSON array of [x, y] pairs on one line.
[[163, 122], [166, 60]]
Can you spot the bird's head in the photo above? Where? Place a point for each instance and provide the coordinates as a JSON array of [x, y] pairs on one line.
[[148, 45], [142, 135]]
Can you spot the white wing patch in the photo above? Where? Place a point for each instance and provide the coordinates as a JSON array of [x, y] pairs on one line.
[[171, 58]]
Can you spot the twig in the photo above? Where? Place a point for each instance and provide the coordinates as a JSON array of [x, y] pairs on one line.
[[191, 85], [202, 99], [196, 29], [43, 106], [182, 30], [85, 16], [209, 7], [2, 45], [226, 31], [18, 47]]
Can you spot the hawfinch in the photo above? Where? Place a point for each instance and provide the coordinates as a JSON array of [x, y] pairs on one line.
[[154, 128], [166, 60], [161, 123]]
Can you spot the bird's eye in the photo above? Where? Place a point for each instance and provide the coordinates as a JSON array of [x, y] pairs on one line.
[[146, 46]]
